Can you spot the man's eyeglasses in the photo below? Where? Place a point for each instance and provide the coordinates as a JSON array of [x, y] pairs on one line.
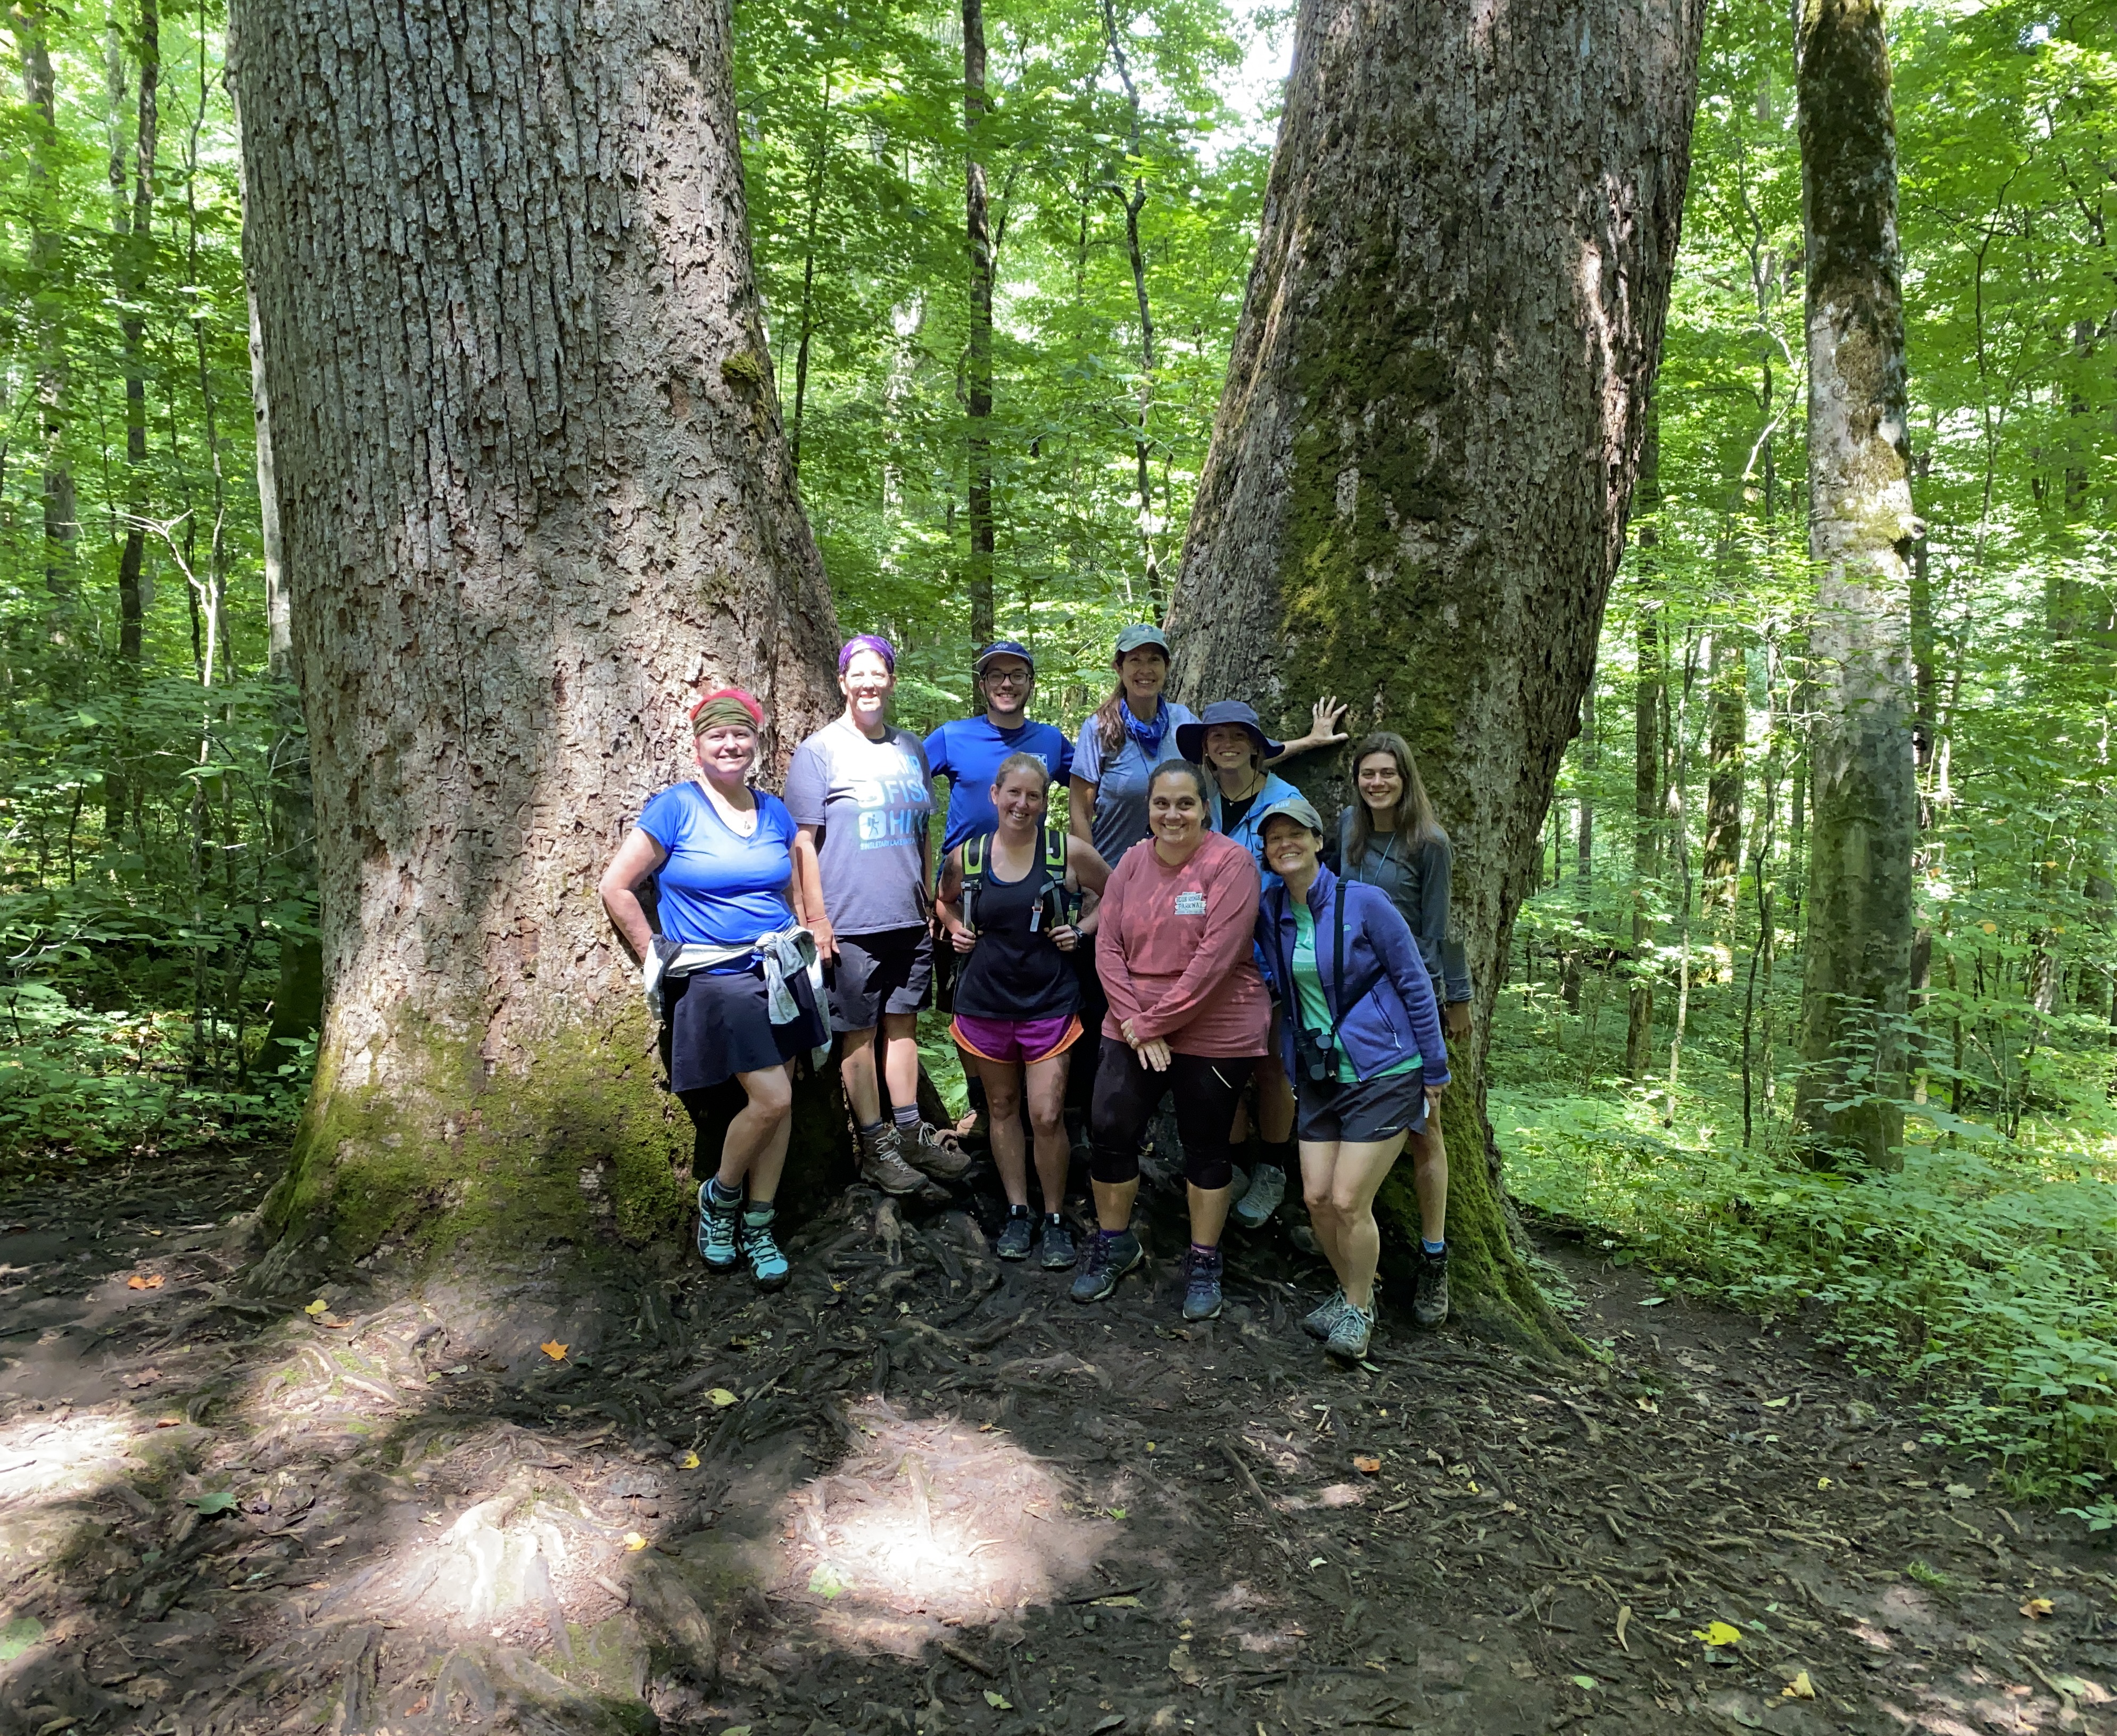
[[1008, 678]]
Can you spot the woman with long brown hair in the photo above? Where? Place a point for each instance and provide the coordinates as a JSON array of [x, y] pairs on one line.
[[1388, 837]]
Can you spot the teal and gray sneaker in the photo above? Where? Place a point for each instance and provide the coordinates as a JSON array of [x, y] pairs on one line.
[[1016, 1235], [1202, 1283], [1350, 1332], [1058, 1250], [1260, 1198], [1111, 1254], [717, 1244], [768, 1265], [1318, 1324]]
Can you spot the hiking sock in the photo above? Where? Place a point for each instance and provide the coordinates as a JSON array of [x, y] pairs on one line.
[[721, 1196], [1439, 1246], [871, 1131], [906, 1118]]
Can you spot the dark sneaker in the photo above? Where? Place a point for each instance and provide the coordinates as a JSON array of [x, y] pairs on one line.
[[1016, 1235], [1260, 1198], [1350, 1332], [1111, 1254], [1318, 1324], [1304, 1237], [1201, 1284], [716, 1231], [924, 1151], [1059, 1248], [1429, 1295], [882, 1162], [768, 1265]]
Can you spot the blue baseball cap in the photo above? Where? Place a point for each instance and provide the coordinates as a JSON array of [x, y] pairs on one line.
[[1005, 648], [1191, 737]]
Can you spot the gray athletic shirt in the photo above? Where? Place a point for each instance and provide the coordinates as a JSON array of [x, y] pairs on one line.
[[872, 799], [1120, 820], [1417, 882]]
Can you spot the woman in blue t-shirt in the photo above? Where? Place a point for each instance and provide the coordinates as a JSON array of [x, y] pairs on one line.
[[721, 855]]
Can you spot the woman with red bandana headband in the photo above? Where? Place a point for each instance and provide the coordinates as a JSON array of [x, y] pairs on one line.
[[731, 971]]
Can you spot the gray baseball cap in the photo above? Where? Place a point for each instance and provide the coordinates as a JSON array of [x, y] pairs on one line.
[[1293, 807], [1132, 638]]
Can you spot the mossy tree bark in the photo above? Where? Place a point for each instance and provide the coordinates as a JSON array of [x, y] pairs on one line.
[[1857, 961], [532, 491], [1417, 488]]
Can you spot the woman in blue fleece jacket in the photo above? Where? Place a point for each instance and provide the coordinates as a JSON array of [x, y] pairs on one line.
[[1361, 1039]]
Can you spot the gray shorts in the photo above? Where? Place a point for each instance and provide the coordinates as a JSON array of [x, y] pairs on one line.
[[891, 971], [1363, 1114]]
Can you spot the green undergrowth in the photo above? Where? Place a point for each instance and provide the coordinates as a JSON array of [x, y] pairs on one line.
[[1983, 1280]]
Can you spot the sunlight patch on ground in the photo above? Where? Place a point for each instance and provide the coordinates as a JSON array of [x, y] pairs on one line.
[[934, 1518], [56, 1457]]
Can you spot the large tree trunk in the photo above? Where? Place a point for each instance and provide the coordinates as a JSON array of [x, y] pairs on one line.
[[532, 491], [1857, 956], [1649, 673], [1418, 478]]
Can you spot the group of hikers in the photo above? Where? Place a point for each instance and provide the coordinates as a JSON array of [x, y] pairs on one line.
[[1196, 932]]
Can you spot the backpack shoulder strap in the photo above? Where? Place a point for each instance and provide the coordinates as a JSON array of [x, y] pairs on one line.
[[973, 856]]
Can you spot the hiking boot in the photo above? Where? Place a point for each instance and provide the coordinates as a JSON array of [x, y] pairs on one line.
[[1429, 1294], [716, 1230], [1318, 1324], [1201, 1284], [1016, 1235], [925, 1151], [1111, 1254], [768, 1265], [882, 1161], [1260, 1198], [1350, 1331], [1059, 1250], [1304, 1237]]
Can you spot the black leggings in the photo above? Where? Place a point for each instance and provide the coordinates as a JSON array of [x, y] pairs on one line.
[[1207, 1088]]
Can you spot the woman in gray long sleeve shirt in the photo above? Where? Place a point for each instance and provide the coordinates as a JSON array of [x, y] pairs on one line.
[[1389, 838]]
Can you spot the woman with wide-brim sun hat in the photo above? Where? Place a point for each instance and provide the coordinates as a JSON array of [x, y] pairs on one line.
[[731, 971]]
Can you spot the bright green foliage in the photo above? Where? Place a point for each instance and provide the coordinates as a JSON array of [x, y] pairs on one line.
[[854, 143], [142, 901]]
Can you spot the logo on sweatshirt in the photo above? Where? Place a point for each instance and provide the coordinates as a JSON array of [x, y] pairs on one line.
[[1190, 903]]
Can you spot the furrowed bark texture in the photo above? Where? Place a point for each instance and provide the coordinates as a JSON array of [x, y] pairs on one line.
[[533, 492], [1417, 488], [1857, 958]]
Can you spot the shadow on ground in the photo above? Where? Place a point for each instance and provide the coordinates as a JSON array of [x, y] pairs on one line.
[[920, 1491]]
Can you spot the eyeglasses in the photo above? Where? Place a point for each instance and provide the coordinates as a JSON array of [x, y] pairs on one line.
[[1008, 678]]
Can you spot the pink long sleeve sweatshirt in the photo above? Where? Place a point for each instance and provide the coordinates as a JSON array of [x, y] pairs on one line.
[[1173, 947]]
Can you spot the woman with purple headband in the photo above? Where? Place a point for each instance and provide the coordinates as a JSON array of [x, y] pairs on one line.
[[858, 791]]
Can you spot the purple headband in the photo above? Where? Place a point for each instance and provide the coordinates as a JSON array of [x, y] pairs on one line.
[[882, 648]]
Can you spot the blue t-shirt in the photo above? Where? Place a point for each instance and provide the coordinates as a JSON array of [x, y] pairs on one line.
[[967, 752], [718, 888]]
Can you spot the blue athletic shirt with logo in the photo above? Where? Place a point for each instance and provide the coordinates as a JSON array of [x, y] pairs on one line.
[[718, 888], [967, 752]]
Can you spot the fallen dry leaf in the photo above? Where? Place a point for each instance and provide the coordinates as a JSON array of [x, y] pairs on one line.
[[554, 1350], [1624, 1617], [1800, 1689], [137, 1283], [689, 1461], [634, 1541], [1366, 1463], [2037, 1608], [1719, 1633], [721, 1398], [316, 1307]]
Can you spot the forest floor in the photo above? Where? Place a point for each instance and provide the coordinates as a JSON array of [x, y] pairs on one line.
[[921, 1491]]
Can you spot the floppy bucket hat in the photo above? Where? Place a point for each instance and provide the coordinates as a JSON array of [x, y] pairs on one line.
[[1191, 737]]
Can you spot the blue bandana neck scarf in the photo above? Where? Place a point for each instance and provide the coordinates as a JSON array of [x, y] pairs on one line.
[[1149, 736]]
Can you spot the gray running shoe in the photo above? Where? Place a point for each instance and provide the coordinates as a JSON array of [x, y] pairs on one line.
[[1202, 1283], [1318, 1324], [1350, 1332], [925, 1151], [1429, 1295], [1260, 1198], [882, 1162], [1110, 1256], [1059, 1249], [1016, 1235]]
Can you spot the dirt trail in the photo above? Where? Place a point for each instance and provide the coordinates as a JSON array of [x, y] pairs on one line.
[[920, 1491]]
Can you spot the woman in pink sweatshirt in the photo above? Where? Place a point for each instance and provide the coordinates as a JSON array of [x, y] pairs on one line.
[[1187, 1015]]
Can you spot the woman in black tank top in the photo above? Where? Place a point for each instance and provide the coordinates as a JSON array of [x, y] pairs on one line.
[[1009, 899]]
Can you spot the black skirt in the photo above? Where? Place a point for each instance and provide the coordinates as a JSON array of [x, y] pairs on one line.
[[720, 1025]]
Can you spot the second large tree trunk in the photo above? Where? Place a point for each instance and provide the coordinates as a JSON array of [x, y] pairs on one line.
[[1417, 488], [533, 492], [1856, 962]]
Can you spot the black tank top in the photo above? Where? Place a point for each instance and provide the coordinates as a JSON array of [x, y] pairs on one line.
[[1012, 972]]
